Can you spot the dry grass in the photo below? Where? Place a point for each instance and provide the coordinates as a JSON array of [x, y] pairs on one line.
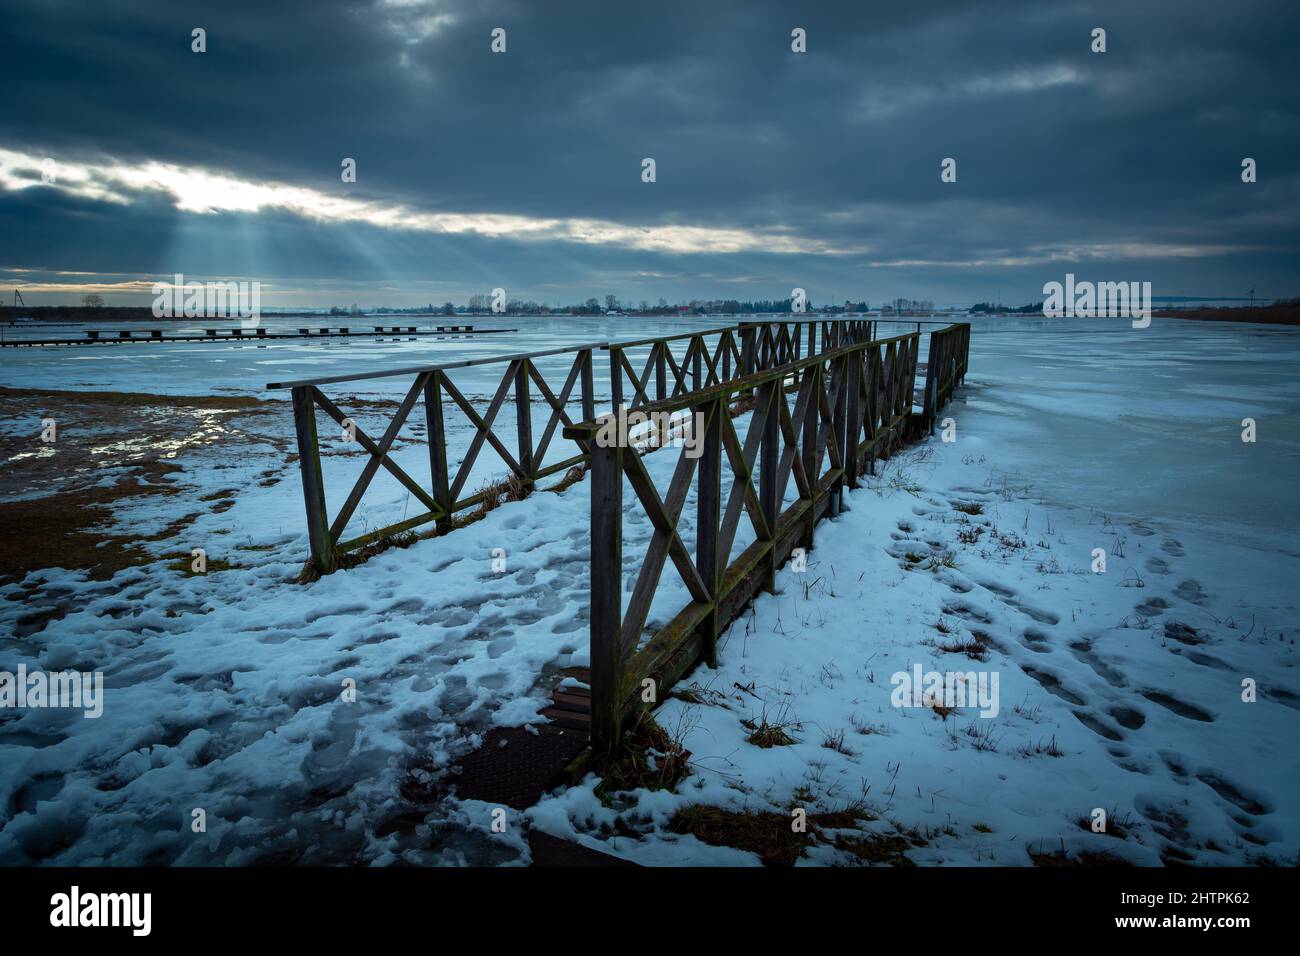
[[771, 836], [767, 735], [972, 647], [835, 741], [1062, 857], [1050, 749], [648, 758]]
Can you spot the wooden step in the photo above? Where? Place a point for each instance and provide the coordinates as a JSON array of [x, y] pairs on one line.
[[579, 703], [570, 719]]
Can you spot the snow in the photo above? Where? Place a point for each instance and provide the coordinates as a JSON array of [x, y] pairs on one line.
[[223, 692]]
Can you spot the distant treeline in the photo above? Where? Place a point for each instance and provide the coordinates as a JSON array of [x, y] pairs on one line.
[[78, 313], [984, 308], [1281, 312]]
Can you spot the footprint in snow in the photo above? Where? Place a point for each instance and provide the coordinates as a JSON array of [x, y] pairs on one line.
[[1152, 607], [1127, 717], [1083, 651], [1256, 805], [1157, 565], [1179, 707], [1052, 684], [1093, 723], [1190, 591], [1172, 547], [1036, 641]]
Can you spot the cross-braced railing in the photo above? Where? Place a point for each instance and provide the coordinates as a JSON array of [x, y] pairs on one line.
[[670, 366], [945, 369], [818, 421]]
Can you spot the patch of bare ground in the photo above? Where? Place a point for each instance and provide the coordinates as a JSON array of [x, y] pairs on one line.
[[771, 836], [1064, 857], [58, 510]]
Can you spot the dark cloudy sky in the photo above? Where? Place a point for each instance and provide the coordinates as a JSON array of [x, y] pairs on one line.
[[523, 169]]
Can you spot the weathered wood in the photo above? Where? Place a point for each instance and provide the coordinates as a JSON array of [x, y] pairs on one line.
[[377, 455], [852, 417], [809, 436], [756, 353], [524, 421], [768, 493], [606, 596], [708, 519], [366, 442], [313, 483], [661, 371], [559, 408], [664, 543], [483, 426], [743, 493], [615, 379], [588, 385], [436, 429]]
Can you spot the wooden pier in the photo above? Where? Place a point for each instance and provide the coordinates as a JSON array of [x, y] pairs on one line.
[[855, 399], [155, 336]]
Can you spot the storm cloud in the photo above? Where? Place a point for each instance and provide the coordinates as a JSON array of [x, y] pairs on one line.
[[774, 169]]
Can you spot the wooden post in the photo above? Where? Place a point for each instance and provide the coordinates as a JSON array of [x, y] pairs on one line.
[[697, 364], [840, 428], [313, 482], [769, 460], [853, 415], [606, 595], [748, 345], [932, 382], [616, 377], [437, 434], [661, 370], [811, 425], [708, 514], [524, 422], [588, 387]]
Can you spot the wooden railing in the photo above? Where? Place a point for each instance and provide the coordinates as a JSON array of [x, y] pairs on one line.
[[711, 357], [852, 403], [945, 370]]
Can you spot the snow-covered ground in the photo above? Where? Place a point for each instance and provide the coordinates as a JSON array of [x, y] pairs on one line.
[[224, 689]]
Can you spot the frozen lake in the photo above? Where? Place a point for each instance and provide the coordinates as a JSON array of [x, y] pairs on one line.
[[222, 689], [1135, 421]]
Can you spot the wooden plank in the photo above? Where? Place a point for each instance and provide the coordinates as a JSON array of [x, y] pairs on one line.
[[616, 363], [524, 421], [664, 543], [767, 477], [484, 429], [366, 442], [708, 518], [606, 649], [559, 406], [435, 429], [377, 455], [743, 493], [313, 483]]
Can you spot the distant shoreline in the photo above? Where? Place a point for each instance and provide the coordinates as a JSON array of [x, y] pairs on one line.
[[1287, 313], [1282, 314]]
